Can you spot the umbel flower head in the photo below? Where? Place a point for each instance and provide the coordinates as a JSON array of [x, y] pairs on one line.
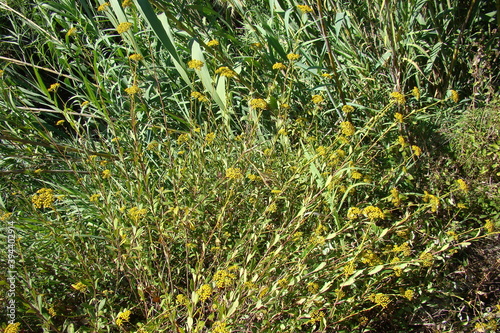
[[225, 71], [195, 64], [123, 27], [133, 90], [123, 317], [258, 103]]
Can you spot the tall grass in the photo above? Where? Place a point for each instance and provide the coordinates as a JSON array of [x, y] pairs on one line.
[[175, 167]]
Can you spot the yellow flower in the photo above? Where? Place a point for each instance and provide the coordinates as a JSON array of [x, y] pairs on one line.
[[349, 268], [94, 197], [398, 98], [353, 213], [1, 72], [312, 287], [347, 128], [463, 185], [103, 6], [195, 64], [53, 87], [106, 174], [204, 292], [123, 27], [305, 8], [213, 43], [210, 138], [126, 3], [279, 66], [317, 99], [234, 173], [292, 56], [202, 98], [79, 286], [132, 90], [223, 278], [285, 106], [4, 216], [380, 299], [152, 145], [123, 317], [327, 75], [416, 93], [356, 175], [258, 103], [44, 198], [403, 248], [52, 312], [183, 138], [256, 45], [373, 213], [454, 96], [316, 316], [253, 177], [85, 103], [347, 108], [399, 117], [71, 32], [427, 259], [12, 328], [282, 131], [60, 122], [395, 199], [401, 141], [272, 208], [137, 213], [225, 71], [220, 327], [416, 150], [321, 151], [182, 300], [489, 226], [136, 57], [432, 200]]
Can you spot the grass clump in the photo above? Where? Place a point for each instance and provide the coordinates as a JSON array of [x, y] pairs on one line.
[[207, 178]]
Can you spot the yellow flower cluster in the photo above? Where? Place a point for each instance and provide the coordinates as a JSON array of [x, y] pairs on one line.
[[373, 212], [347, 128], [210, 138], [272, 208], [398, 98], [395, 198], [106, 174], [53, 87], [123, 317], [312, 287], [370, 258], [380, 299], [4, 216], [258, 103], [356, 175], [183, 138], [416, 150], [279, 66], [399, 117], [126, 3], [403, 248], [220, 327], [234, 173], [136, 57], [223, 278], [402, 141], [253, 177], [347, 109], [137, 213], [213, 43], [427, 259], [293, 56], [305, 8], [454, 96], [123, 27], [103, 7], [489, 226], [416, 93], [432, 200], [195, 64], [44, 198], [317, 99], [316, 316], [71, 32], [181, 300], [199, 96], [408, 294], [79, 286], [204, 292], [462, 185], [133, 90], [225, 71], [94, 197], [12, 328], [353, 213], [321, 151], [349, 268]]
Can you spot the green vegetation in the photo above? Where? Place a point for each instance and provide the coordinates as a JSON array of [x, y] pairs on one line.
[[249, 166]]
